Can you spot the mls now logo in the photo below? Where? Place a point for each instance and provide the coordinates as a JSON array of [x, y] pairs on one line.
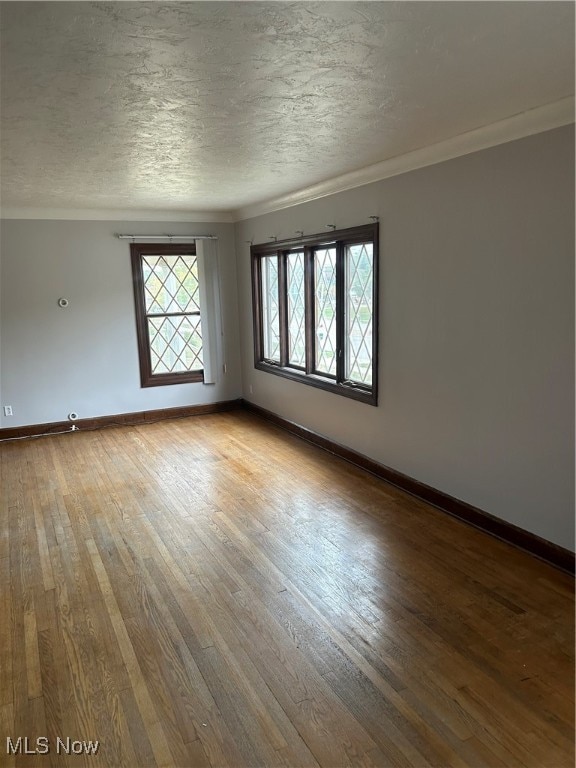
[[41, 746]]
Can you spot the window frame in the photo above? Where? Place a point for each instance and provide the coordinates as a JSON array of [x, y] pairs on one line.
[[137, 252], [368, 233]]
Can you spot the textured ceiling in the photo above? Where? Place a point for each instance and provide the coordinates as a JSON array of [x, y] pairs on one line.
[[211, 106]]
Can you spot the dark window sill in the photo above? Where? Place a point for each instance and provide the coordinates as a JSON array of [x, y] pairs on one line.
[[165, 379], [313, 380]]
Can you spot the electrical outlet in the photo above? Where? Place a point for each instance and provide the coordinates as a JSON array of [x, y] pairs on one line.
[[8, 410]]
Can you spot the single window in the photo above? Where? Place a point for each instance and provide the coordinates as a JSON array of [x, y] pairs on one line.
[[296, 310], [315, 304], [325, 309], [270, 304], [359, 312], [168, 321]]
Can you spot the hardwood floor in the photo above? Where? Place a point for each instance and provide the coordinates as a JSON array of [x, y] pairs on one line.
[[211, 591]]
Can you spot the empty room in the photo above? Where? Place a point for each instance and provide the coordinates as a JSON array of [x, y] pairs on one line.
[[287, 384]]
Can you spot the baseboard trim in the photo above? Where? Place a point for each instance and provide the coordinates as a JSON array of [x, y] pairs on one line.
[[120, 419], [551, 553]]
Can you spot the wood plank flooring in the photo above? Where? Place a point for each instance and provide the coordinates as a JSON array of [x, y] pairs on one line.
[[212, 591]]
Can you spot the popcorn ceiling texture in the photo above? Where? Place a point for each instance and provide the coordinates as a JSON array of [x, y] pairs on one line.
[[214, 105]]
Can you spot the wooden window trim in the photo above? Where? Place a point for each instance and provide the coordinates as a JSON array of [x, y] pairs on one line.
[[309, 376], [147, 378]]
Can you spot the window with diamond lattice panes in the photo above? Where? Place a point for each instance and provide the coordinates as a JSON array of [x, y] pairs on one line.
[[359, 313], [167, 292], [315, 310], [325, 295], [296, 310], [271, 309]]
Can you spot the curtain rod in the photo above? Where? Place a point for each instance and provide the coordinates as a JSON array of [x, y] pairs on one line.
[[169, 238]]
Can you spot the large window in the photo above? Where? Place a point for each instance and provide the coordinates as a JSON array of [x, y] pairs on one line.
[[167, 295], [315, 304]]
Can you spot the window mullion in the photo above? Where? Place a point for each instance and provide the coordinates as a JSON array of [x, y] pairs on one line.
[[283, 307], [340, 313], [258, 308]]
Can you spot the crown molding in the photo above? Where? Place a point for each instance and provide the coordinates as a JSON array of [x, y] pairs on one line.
[[97, 214], [518, 126]]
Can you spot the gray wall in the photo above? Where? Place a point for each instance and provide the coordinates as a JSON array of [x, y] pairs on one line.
[[477, 329], [85, 358]]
